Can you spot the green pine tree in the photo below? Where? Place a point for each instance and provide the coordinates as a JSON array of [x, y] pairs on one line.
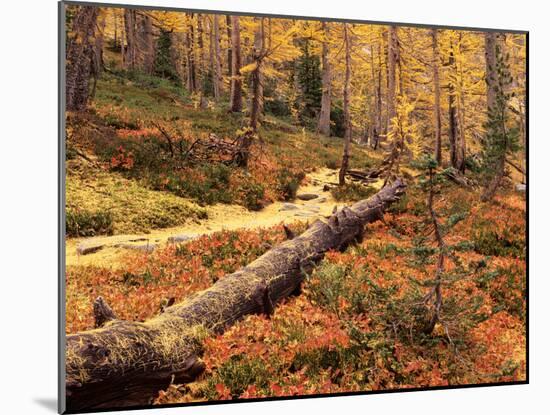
[[500, 139]]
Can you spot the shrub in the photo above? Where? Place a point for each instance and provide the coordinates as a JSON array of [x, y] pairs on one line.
[[331, 163], [352, 192], [236, 374], [87, 223], [488, 241], [252, 195], [288, 183], [400, 206]]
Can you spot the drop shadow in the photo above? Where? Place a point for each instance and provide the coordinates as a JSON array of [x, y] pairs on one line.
[[48, 403]]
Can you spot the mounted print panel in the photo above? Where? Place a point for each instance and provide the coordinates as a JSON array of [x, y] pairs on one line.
[[258, 207]]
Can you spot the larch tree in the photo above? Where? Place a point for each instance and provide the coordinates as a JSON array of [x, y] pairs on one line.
[[79, 55], [228, 48], [437, 97], [347, 117], [201, 62], [256, 76], [217, 77], [236, 94], [456, 134], [392, 65], [190, 54], [323, 126]]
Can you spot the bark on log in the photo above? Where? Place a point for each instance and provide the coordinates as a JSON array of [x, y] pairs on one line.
[[126, 363]]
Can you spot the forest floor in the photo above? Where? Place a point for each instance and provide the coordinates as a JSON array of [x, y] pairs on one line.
[[106, 250], [353, 328]]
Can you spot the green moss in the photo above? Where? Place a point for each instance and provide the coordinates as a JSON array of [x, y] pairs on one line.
[[88, 223], [125, 205]]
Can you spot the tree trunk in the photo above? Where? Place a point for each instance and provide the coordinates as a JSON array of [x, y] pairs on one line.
[[324, 117], [229, 47], [392, 64], [236, 98], [79, 55], [256, 77], [490, 190], [126, 363], [201, 67], [97, 57], [217, 72], [376, 120], [347, 115], [437, 97], [130, 29], [190, 56], [455, 134], [146, 44]]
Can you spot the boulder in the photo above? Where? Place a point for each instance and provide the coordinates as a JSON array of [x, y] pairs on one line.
[[86, 248], [181, 238], [307, 196], [288, 206], [143, 247]]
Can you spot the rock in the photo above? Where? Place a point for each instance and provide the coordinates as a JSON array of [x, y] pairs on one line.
[[305, 214], [288, 206], [326, 188], [181, 238], [86, 248], [144, 247], [307, 196], [322, 200], [520, 187]]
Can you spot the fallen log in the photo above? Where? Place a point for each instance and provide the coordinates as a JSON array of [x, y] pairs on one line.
[[125, 363]]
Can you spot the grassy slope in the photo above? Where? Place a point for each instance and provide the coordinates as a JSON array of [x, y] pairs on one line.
[[136, 198], [134, 208]]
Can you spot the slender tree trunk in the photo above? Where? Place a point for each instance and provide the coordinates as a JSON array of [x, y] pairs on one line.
[[217, 72], [229, 46], [379, 96], [115, 29], [130, 29], [376, 121], [201, 67], [392, 64], [455, 133], [324, 117], [126, 363], [437, 97], [256, 76], [347, 115], [190, 56], [80, 50], [461, 143], [122, 41], [97, 56], [236, 98], [491, 189]]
